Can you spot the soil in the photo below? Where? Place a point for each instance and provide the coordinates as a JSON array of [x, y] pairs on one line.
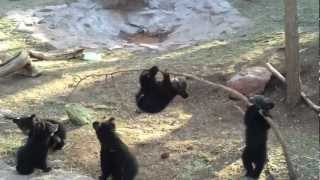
[[202, 137]]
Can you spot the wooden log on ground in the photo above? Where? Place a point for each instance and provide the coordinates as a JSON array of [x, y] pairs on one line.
[[57, 54], [15, 63], [20, 63]]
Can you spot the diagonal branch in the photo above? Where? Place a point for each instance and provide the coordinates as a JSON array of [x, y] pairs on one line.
[[303, 95]]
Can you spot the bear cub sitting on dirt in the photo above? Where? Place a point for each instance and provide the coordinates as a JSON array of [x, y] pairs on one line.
[[56, 142], [255, 153], [115, 158], [34, 153]]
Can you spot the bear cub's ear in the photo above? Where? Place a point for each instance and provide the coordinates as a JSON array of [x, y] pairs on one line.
[[96, 125]]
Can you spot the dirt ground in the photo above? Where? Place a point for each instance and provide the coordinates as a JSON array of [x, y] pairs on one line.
[[203, 134]]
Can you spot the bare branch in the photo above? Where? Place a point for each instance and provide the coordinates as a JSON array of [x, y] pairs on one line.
[[229, 90], [273, 125], [284, 146], [57, 55], [303, 95], [77, 83]]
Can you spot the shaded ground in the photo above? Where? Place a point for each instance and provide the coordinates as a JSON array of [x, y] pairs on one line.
[[203, 139]]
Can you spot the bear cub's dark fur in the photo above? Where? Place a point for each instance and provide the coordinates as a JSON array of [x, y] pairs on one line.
[[154, 95], [255, 153], [56, 142], [115, 158], [34, 153]]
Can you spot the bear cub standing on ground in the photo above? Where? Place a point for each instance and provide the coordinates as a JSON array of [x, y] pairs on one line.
[[115, 158], [56, 142], [154, 95], [34, 153], [255, 153]]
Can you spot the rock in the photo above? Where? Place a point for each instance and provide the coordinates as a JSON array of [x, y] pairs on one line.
[[176, 22], [9, 173], [78, 114], [250, 81], [114, 4], [23, 28], [165, 155]]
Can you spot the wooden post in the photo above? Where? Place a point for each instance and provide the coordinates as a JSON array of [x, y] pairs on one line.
[[292, 53]]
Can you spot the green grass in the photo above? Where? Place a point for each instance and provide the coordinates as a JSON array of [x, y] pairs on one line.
[[9, 144]]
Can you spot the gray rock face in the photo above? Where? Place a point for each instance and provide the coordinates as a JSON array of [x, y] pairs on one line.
[[114, 4], [8, 173], [87, 23], [250, 81]]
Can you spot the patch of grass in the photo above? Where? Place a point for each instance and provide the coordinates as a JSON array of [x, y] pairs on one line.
[[268, 16], [9, 38], [9, 144]]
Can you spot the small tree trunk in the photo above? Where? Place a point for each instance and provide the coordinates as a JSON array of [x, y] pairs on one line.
[[292, 52]]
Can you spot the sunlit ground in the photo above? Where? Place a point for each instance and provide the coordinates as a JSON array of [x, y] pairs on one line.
[[203, 140]]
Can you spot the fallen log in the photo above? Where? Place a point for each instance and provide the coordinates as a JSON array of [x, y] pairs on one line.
[[57, 54], [20, 63], [15, 63], [302, 94]]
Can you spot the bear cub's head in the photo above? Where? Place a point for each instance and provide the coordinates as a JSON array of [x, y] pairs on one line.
[[104, 129], [25, 123], [264, 104]]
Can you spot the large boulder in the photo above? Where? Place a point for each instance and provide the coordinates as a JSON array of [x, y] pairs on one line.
[[250, 81]]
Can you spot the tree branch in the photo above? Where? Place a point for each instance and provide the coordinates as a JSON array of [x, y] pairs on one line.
[[302, 94], [274, 127], [77, 83]]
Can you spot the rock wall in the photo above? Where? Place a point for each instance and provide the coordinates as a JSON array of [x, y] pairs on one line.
[[86, 23]]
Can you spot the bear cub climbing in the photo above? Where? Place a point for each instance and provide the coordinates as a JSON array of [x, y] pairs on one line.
[[255, 153], [155, 95]]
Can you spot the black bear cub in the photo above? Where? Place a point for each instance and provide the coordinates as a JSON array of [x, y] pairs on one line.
[[154, 95], [34, 153], [25, 123], [115, 158], [255, 153]]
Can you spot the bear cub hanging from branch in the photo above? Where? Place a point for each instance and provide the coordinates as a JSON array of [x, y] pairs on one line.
[[25, 123], [115, 158], [35, 152], [154, 95], [255, 153]]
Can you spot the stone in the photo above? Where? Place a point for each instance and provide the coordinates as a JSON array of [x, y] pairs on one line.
[[250, 81], [114, 4], [78, 114]]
